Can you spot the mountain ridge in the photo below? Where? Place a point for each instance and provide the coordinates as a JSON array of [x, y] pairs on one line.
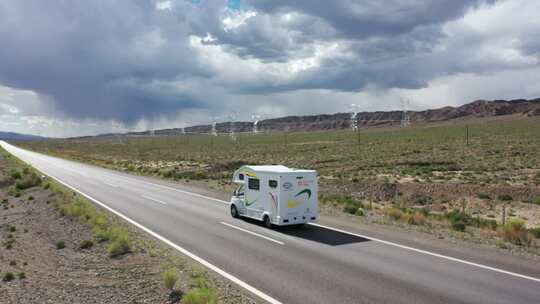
[[476, 109], [18, 136]]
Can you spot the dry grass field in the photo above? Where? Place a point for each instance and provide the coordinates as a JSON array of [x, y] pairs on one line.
[[460, 176]]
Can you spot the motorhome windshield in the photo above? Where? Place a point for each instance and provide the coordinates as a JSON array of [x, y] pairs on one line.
[[239, 191]]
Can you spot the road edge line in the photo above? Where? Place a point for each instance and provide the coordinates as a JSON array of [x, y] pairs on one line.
[[253, 233], [198, 259]]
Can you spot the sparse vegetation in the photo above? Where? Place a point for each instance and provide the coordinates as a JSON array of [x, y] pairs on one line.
[[200, 296], [516, 233], [60, 245], [86, 244], [8, 276], [170, 277], [83, 219], [505, 197], [535, 232], [351, 205], [29, 180], [418, 218], [458, 220], [484, 196], [394, 213], [119, 245], [398, 170]]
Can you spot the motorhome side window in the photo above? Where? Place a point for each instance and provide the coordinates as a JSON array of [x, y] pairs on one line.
[[241, 176], [272, 183], [253, 184]]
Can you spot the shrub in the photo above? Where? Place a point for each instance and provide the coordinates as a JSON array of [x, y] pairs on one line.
[[170, 277], [12, 228], [60, 245], [28, 181], [535, 232], [200, 296], [515, 232], [484, 196], [458, 225], [458, 220], [501, 244], [359, 212], [8, 276], [350, 205], [422, 200], [86, 244], [505, 197], [15, 175], [21, 275], [394, 213], [102, 235], [484, 223], [120, 245], [418, 218], [537, 200]]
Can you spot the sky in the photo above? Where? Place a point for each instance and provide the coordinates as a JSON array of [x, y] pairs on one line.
[[72, 68]]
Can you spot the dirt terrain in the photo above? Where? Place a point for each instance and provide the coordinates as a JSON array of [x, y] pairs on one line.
[[43, 259]]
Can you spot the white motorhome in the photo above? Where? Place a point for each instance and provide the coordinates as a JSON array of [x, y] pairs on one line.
[[276, 195]]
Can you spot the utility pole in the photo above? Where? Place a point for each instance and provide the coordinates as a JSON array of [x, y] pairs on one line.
[[467, 135], [504, 214], [354, 121]]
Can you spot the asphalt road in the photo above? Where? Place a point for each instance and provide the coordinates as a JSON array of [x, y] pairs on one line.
[[307, 265]]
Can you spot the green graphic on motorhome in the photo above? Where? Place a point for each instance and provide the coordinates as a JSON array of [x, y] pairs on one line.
[[249, 204], [308, 191], [295, 203]]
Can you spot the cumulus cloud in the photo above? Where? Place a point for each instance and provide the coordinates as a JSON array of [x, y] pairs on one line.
[[104, 65]]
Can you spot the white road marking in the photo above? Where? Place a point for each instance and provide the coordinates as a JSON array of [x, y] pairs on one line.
[[154, 199], [202, 261], [183, 191], [351, 233], [111, 185], [431, 253], [253, 233]]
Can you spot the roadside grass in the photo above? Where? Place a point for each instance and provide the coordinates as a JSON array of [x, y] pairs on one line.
[[170, 277], [515, 232], [71, 205], [200, 296]]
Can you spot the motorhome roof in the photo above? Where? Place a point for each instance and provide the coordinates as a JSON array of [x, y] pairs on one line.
[[276, 169]]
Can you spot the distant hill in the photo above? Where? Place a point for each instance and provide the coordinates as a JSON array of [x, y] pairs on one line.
[[476, 109], [17, 136], [479, 109]]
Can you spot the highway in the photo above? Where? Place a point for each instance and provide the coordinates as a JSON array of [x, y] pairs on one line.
[[313, 264]]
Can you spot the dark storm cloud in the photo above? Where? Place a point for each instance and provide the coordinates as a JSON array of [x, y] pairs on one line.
[[366, 18], [127, 60], [390, 43], [99, 59]]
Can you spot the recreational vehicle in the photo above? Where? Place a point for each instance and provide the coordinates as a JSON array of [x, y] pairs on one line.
[[276, 195]]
